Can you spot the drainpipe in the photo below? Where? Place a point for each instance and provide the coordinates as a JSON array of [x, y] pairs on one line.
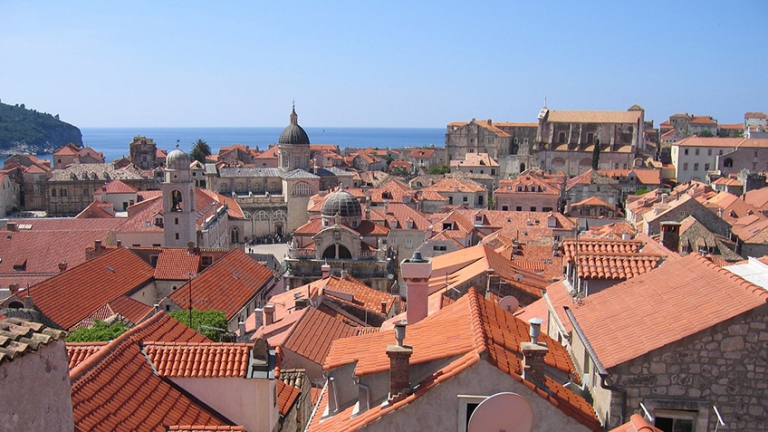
[[604, 375]]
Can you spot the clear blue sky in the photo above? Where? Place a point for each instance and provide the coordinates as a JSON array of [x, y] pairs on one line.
[[378, 63]]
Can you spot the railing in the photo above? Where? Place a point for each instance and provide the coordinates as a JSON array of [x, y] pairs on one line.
[[260, 199], [302, 253]]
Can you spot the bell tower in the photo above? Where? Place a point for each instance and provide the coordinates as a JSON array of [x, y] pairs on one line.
[[179, 213]]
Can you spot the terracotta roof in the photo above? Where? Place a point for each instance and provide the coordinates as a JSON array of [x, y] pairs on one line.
[[45, 243], [392, 191], [79, 351], [348, 291], [703, 120], [725, 181], [732, 126], [116, 388], [132, 310], [199, 360], [593, 201], [475, 159], [227, 285], [600, 246], [529, 184], [203, 428], [697, 141], [286, 397], [69, 297], [696, 292], [67, 150], [312, 336], [644, 176], [158, 328], [19, 337], [176, 264], [590, 177], [96, 210], [402, 213], [621, 117], [419, 153], [467, 330], [117, 187], [758, 198], [449, 185]]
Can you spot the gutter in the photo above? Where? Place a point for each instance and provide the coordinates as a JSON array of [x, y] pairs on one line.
[[604, 375]]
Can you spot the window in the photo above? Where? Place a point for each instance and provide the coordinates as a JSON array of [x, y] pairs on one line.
[[493, 172], [467, 405], [177, 236], [706, 167], [709, 152], [176, 221], [675, 421], [408, 242], [464, 199], [63, 192], [686, 151], [695, 167], [546, 209], [438, 248], [85, 192], [206, 261], [697, 152], [685, 166], [53, 192], [561, 138], [533, 208], [519, 208], [450, 200], [505, 208], [720, 152]]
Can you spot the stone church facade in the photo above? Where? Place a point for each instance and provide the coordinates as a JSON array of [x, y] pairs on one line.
[[561, 141]]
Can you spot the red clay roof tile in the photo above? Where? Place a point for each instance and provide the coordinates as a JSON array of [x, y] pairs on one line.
[[199, 360]]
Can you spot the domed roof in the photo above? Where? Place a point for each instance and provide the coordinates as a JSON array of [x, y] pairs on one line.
[[293, 133], [178, 160], [343, 203]]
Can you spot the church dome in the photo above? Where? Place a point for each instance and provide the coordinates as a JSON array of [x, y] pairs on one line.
[[178, 160], [343, 203], [293, 133]]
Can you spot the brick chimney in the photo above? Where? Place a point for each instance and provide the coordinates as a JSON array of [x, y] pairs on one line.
[[399, 367], [269, 314], [416, 272], [12, 226], [14, 288], [533, 354], [63, 266], [670, 235], [326, 270]]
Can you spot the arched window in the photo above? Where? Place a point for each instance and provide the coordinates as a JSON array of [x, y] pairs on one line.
[[279, 215], [561, 138], [728, 163], [175, 200], [302, 189], [262, 215], [15, 305], [558, 161], [235, 236], [224, 188]]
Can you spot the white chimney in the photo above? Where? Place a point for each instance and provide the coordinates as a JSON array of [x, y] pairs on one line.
[[416, 272]]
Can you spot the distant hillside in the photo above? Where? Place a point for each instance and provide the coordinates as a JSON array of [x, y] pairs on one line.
[[29, 131]]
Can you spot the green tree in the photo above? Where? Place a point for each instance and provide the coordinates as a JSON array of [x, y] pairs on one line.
[[641, 191], [209, 322], [200, 149], [442, 169], [596, 155], [99, 332], [706, 133]]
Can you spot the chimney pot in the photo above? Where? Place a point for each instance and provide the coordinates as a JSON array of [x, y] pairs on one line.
[[97, 245], [190, 248], [62, 266], [119, 243], [14, 288], [383, 307], [326, 270], [535, 330], [241, 328], [269, 314]]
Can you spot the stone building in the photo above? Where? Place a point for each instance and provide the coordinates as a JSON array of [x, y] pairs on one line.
[[343, 240], [68, 191], [143, 152], [9, 195], [684, 342], [509, 143], [72, 153], [565, 140], [274, 200], [530, 191], [30, 173]]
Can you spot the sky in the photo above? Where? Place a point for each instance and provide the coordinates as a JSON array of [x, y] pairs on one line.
[[378, 63]]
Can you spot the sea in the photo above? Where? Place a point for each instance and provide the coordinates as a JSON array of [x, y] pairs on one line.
[[114, 142]]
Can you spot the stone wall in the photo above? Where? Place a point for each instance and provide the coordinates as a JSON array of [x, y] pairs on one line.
[[726, 366]]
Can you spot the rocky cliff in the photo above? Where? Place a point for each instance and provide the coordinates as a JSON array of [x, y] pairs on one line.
[[29, 131]]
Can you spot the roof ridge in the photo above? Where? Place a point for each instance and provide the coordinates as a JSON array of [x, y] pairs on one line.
[[748, 286], [477, 321], [93, 361]]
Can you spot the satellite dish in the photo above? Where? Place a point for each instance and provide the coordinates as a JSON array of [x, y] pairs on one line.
[[506, 411], [509, 303]]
